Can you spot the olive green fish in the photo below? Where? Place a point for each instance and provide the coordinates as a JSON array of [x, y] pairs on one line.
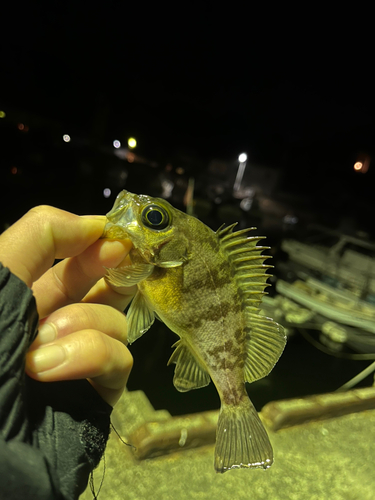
[[207, 288]]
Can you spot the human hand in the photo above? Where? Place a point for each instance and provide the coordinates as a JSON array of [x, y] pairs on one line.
[[82, 331]]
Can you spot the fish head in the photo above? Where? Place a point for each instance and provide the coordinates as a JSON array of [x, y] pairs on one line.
[[155, 228]]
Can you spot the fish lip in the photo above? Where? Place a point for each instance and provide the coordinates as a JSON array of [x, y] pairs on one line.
[[123, 200], [121, 216]]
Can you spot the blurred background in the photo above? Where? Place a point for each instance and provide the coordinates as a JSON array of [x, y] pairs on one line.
[[264, 119]]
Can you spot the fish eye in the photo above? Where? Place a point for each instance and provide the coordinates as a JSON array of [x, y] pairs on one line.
[[155, 217]]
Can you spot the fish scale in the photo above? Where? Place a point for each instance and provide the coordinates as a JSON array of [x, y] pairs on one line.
[[206, 287]]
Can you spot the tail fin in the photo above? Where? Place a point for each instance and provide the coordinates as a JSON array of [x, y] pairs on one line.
[[241, 439]]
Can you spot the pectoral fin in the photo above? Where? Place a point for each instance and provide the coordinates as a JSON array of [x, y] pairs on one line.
[[188, 374], [140, 318], [129, 275], [264, 344]]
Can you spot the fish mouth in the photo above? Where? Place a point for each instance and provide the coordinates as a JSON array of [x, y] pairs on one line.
[[121, 217]]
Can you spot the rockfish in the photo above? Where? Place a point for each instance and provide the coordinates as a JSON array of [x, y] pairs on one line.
[[206, 287]]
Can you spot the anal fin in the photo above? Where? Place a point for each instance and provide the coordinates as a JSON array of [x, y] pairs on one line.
[[188, 374]]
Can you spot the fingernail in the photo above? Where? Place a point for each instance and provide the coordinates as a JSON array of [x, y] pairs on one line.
[[45, 358], [47, 333]]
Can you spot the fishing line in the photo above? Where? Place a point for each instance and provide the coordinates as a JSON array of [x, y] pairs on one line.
[[120, 438], [91, 481]]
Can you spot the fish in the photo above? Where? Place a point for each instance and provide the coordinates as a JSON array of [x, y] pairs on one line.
[[206, 287]]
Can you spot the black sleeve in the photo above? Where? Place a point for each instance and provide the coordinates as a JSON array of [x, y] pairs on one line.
[[52, 435]]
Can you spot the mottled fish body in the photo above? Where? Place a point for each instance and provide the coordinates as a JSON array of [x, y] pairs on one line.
[[207, 288]]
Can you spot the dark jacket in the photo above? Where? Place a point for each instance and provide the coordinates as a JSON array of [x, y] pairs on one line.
[[52, 434]]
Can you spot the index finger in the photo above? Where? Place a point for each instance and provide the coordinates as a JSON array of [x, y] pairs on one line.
[[30, 246], [71, 279]]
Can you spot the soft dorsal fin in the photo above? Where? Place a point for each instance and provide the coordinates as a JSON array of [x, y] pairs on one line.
[[265, 339], [188, 374]]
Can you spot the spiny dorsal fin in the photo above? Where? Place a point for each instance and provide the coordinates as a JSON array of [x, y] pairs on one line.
[[247, 262], [265, 339], [188, 374]]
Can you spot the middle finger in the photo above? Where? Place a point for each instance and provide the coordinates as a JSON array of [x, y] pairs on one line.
[[80, 316]]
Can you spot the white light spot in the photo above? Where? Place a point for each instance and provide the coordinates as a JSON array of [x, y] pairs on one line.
[[106, 193], [184, 435], [242, 158], [246, 204], [116, 144], [66, 138]]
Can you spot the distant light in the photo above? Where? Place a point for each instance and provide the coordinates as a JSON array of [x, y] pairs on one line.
[[130, 157], [116, 144], [2, 114], [290, 219], [180, 170], [132, 142], [14, 170], [240, 173], [362, 164], [167, 186], [66, 138], [246, 204], [106, 193], [22, 127]]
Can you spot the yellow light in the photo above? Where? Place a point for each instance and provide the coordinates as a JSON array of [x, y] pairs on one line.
[[358, 165], [2, 114], [132, 142]]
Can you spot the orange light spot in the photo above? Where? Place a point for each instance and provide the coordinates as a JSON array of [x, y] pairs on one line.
[[20, 126], [358, 165]]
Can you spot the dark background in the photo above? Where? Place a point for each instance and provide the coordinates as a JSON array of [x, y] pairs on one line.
[[196, 85]]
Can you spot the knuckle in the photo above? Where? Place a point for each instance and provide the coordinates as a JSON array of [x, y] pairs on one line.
[[41, 210], [96, 344], [42, 213]]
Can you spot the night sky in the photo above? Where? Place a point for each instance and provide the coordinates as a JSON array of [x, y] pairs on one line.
[[193, 83], [196, 82]]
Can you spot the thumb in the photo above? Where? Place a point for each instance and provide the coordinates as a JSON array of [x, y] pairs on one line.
[[30, 246]]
